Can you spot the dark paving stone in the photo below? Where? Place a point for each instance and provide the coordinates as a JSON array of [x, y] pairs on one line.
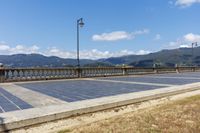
[[6, 103], [80, 90], [152, 79], [188, 74]]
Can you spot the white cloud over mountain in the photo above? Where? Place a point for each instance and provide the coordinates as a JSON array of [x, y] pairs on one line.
[[118, 35], [91, 54], [185, 41], [6, 49]]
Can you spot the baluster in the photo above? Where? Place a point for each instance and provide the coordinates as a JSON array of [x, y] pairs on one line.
[[19, 75], [31, 74], [50, 73], [47, 74], [41, 73], [96, 71], [34, 73], [7, 74], [92, 72], [100, 71], [70, 72], [23, 75], [27, 74], [54, 73], [65, 72], [73, 72], [12, 71], [44, 73], [38, 74], [62, 72], [59, 73], [87, 72]]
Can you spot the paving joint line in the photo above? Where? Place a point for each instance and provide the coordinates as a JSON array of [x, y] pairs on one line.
[[10, 101], [173, 77], [2, 109], [127, 82]]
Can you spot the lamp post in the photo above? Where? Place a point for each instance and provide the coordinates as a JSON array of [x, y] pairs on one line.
[[193, 45], [79, 24]]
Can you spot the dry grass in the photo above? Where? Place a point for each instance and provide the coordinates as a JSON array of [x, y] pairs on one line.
[[181, 116]]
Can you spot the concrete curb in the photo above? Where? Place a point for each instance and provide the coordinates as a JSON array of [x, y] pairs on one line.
[[19, 119]]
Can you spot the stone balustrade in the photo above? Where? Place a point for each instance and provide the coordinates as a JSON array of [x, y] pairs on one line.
[[29, 74]]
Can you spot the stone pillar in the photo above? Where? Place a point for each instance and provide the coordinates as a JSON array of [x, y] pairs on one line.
[[177, 68], [2, 74], [124, 69], [154, 68], [193, 69], [79, 72]]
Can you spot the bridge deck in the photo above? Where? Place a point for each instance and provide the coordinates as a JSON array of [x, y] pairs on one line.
[[24, 95]]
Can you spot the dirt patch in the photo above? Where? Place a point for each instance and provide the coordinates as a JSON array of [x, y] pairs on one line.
[[178, 116]]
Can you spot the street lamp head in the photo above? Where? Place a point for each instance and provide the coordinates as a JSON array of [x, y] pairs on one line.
[[81, 22], [195, 44]]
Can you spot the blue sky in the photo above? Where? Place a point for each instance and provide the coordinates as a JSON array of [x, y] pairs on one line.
[[112, 27]]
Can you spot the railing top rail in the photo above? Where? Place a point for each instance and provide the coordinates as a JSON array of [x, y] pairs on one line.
[[41, 68], [72, 68]]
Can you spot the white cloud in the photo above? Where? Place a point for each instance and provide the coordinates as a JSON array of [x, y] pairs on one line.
[[184, 46], [113, 36], [186, 3], [185, 41], [118, 35], [18, 49], [192, 37], [142, 52], [4, 47], [22, 49], [157, 37]]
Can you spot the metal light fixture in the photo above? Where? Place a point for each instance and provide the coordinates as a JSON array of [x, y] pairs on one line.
[[80, 21]]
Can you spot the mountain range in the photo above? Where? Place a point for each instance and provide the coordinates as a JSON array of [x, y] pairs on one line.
[[181, 56]]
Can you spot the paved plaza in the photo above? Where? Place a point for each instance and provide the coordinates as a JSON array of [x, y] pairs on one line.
[[26, 95]]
